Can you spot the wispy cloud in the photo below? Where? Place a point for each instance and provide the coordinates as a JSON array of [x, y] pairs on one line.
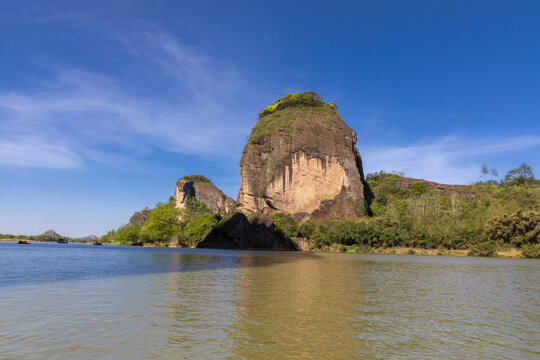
[[452, 160], [87, 110], [29, 151]]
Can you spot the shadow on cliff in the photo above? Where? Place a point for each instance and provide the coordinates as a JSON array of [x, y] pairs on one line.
[[368, 193], [238, 232]]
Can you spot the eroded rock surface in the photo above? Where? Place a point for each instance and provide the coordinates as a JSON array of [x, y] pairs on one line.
[[205, 192], [302, 161], [138, 218]]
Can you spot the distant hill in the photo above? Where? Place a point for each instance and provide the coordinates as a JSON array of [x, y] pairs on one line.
[[90, 238], [52, 233]]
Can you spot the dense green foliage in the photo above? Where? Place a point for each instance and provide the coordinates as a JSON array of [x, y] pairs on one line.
[[486, 249], [309, 98], [520, 228], [531, 251], [196, 228], [160, 225], [419, 187], [163, 222], [480, 217]]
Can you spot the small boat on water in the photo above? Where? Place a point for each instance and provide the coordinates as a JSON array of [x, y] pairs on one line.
[[23, 242], [62, 241], [97, 242]]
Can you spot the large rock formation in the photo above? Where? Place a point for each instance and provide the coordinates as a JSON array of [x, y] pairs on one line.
[[238, 232], [200, 188], [301, 159]]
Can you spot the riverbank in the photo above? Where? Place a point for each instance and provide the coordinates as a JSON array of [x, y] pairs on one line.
[[513, 253]]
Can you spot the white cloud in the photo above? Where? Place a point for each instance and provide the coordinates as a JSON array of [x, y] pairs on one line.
[[33, 152], [451, 160]]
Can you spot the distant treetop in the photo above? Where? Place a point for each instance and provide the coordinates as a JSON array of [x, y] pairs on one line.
[[309, 98], [195, 178]]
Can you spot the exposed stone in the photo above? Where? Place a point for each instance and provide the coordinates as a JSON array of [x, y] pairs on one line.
[[138, 218], [301, 244], [302, 161], [240, 233], [205, 192]]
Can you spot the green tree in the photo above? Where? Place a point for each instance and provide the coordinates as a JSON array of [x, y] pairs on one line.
[[521, 175], [129, 235], [419, 187], [162, 223], [195, 229], [484, 170]]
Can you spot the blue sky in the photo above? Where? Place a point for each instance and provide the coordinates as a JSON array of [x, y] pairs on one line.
[[104, 105]]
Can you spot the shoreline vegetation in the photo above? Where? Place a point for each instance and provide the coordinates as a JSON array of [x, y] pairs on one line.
[[408, 216]]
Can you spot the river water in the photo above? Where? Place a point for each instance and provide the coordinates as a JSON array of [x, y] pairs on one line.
[[74, 301]]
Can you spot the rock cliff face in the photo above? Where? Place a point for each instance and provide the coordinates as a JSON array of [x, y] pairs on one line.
[[204, 191], [138, 218], [240, 233], [302, 160]]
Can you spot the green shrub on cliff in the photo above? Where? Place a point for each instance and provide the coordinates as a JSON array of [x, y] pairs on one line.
[[309, 98], [195, 178], [195, 208]]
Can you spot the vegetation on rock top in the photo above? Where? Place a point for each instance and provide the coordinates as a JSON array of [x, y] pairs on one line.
[[195, 179], [292, 120], [309, 98]]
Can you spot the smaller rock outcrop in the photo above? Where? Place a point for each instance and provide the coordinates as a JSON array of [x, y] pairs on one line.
[[301, 244], [201, 188], [240, 233], [138, 218]]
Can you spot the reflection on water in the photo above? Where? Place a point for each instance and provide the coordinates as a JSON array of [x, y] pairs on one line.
[[66, 302], [298, 309]]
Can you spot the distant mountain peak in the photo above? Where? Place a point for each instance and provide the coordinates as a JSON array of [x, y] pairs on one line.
[[51, 233]]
